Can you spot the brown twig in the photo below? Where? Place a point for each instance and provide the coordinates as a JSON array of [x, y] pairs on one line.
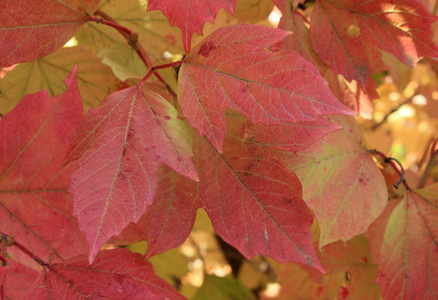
[[132, 38], [390, 161]]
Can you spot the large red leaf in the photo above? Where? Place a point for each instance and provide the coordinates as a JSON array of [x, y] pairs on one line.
[[34, 199], [121, 143], [231, 69], [254, 202], [341, 182], [19, 280], [30, 29], [405, 246], [191, 15], [115, 274], [344, 34]]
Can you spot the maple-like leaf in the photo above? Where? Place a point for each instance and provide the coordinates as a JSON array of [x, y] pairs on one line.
[[344, 34], [351, 274], [34, 197], [254, 202], [115, 274], [95, 80], [341, 182], [120, 144], [231, 69], [191, 15], [405, 242], [30, 29]]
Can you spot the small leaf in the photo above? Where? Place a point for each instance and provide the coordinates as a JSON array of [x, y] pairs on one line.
[[190, 16], [94, 79], [120, 144], [115, 274], [218, 288], [399, 27], [30, 29]]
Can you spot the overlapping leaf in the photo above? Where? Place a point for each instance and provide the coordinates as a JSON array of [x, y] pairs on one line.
[[254, 203], [344, 34], [230, 69], [351, 274], [95, 80], [341, 182], [156, 34], [405, 246], [19, 280], [34, 197], [115, 274], [191, 15], [121, 143], [30, 29]]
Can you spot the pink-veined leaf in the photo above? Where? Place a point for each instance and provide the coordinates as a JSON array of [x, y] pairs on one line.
[[231, 69], [33, 28], [341, 182], [115, 274], [404, 241], [191, 15], [120, 144], [34, 198], [344, 34], [253, 201], [255, 204]]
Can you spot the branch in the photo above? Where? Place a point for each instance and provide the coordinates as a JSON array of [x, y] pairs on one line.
[[375, 126], [390, 161], [430, 165]]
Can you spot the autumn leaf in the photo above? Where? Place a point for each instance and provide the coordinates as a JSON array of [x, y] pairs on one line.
[[253, 10], [34, 196], [156, 34], [120, 144], [189, 15], [217, 288], [95, 80], [344, 34], [341, 182], [254, 202], [30, 29], [115, 274], [351, 274], [19, 280], [230, 69], [405, 246]]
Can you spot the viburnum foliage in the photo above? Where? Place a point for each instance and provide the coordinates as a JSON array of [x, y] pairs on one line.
[[147, 119]]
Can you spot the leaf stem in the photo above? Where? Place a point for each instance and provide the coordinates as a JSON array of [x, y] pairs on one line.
[[132, 38], [390, 161]]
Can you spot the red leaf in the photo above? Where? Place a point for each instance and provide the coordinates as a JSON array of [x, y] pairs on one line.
[[115, 274], [31, 29], [191, 15], [121, 143], [33, 183], [19, 280], [254, 202], [230, 69], [344, 33], [404, 241]]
